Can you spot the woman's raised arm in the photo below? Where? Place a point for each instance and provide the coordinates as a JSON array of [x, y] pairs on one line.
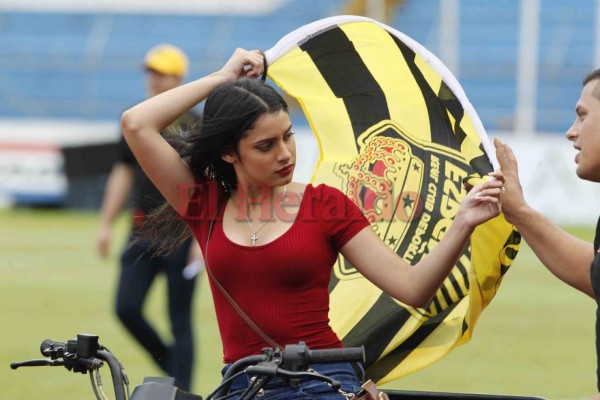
[[142, 124]]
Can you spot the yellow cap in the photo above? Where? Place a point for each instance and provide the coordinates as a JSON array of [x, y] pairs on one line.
[[167, 59]]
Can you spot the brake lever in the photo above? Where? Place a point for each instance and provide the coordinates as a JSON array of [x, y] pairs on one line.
[[36, 363], [87, 363]]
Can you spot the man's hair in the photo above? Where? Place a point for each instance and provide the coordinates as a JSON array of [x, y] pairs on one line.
[[593, 76]]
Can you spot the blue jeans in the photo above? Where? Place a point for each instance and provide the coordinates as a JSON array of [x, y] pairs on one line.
[[280, 389]]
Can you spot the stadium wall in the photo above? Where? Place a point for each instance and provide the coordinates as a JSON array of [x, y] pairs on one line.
[[46, 162]]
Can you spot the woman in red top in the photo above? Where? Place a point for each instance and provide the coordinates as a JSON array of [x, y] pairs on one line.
[[269, 241]]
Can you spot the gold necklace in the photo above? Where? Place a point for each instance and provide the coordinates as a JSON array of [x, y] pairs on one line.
[[254, 236]]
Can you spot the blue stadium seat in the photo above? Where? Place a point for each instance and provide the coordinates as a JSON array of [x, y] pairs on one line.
[[84, 65], [567, 37], [418, 20]]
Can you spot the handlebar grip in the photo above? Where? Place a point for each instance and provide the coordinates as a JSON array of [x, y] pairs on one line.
[[347, 354], [49, 346]]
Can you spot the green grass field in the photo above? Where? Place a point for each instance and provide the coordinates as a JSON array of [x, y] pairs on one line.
[[536, 337]]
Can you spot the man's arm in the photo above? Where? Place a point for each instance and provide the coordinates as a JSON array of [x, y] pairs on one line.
[[118, 187], [566, 256]]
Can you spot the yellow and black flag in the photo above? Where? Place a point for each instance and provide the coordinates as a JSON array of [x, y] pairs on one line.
[[396, 134]]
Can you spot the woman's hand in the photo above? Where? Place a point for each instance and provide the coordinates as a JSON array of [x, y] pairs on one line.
[[483, 202], [243, 63]]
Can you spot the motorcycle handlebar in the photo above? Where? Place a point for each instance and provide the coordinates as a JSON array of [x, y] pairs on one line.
[[347, 354], [296, 357], [81, 355], [287, 362]]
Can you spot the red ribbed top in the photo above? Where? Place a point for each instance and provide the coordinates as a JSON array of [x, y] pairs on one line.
[[282, 285]]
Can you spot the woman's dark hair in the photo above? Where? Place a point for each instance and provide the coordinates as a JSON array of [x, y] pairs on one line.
[[230, 111]]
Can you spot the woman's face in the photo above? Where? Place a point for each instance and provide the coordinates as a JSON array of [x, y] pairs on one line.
[[267, 153]]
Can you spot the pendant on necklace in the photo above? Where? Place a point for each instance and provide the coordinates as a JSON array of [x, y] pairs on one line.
[[254, 237]]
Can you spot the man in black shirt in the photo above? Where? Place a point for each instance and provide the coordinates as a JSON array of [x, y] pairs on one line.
[[165, 68], [573, 260]]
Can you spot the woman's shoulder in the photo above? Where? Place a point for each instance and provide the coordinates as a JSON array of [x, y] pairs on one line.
[[323, 198], [322, 190]]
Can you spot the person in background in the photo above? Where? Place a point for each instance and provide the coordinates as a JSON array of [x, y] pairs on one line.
[[572, 260], [165, 67], [270, 243]]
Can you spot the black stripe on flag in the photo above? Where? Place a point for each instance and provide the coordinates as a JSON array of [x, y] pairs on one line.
[[439, 122], [337, 59], [510, 250], [451, 103], [480, 164], [383, 367], [388, 317]]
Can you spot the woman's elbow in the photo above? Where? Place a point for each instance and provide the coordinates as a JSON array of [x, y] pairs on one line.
[[409, 291], [129, 124], [416, 300]]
